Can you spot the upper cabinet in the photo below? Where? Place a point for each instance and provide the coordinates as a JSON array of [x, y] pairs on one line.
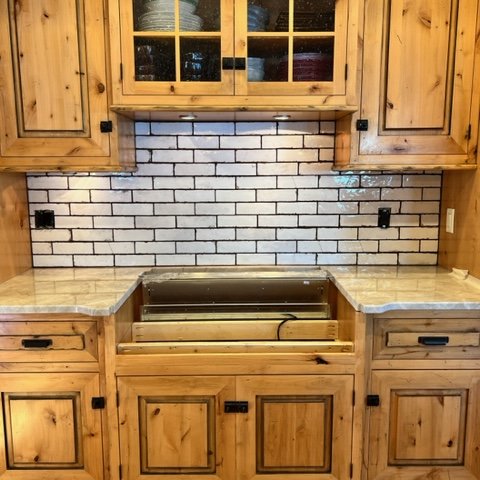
[[234, 54], [54, 89], [420, 87]]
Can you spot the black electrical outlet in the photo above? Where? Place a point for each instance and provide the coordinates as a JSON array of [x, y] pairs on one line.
[[44, 219], [384, 217]]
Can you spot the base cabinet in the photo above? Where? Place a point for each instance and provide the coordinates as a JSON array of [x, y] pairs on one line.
[[236, 427], [426, 425], [49, 428]]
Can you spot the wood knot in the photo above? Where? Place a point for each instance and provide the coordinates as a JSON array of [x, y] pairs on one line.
[[320, 361]]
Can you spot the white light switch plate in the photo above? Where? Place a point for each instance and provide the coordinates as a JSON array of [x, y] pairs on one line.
[[450, 223]]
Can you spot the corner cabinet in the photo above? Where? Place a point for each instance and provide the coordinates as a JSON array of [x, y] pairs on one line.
[[54, 89], [420, 88], [234, 54], [245, 427]]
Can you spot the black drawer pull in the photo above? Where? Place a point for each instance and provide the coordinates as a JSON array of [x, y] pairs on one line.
[[37, 343], [433, 341]]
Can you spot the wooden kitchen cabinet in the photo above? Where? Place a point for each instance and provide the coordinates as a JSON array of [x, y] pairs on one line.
[[420, 88], [423, 402], [244, 427], [234, 55], [55, 88], [49, 427], [426, 425]]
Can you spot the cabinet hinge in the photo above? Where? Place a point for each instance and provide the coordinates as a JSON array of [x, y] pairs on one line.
[[351, 470], [106, 126], [346, 71], [235, 407], [373, 400], [362, 125], [98, 403], [121, 71], [468, 135], [120, 472]]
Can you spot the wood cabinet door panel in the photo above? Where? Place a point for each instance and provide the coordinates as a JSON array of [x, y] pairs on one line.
[[419, 92], [53, 79], [174, 426], [50, 429], [426, 425], [296, 427]]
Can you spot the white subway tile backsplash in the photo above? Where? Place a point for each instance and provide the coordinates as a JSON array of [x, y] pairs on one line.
[[226, 193]]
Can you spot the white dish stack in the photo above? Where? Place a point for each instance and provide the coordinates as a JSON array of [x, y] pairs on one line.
[[160, 16], [256, 69]]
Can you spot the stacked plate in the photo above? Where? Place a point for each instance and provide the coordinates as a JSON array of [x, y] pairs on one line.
[[309, 67], [256, 69], [257, 18], [159, 15]]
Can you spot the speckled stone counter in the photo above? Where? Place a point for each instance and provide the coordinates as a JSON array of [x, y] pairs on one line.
[[90, 291], [101, 291], [380, 289]]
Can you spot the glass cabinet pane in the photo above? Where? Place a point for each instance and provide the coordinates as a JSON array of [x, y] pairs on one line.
[[200, 59], [154, 59], [290, 41]]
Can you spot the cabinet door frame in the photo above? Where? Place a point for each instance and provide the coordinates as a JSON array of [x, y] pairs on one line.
[[133, 390], [132, 87], [338, 387], [87, 141], [450, 145], [86, 386], [464, 384]]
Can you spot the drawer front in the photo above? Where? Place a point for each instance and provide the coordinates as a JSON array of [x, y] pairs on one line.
[[48, 341], [412, 338]]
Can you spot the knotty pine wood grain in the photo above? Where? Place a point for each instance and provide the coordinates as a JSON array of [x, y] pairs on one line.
[[15, 249]]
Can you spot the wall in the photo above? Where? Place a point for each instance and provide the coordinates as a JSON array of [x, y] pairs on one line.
[[462, 248], [235, 194], [15, 256]]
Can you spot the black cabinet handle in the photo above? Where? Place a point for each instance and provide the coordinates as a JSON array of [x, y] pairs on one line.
[[37, 343], [433, 341]]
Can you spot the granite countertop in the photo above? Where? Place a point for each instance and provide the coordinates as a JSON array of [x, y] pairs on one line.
[[101, 291]]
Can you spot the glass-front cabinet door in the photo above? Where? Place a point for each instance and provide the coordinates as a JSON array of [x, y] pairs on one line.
[[233, 47], [176, 46], [292, 47]]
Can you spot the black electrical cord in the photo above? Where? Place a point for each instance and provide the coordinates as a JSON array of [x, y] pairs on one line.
[[280, 325]]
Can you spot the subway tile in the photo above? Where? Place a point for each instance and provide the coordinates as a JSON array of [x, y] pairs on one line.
[[105, 248], [125, 235], [257, 208], [336, 259], [401, 194], [386, 180], [339, 181], [93, 261], [236, 246], [154, 247], [195, 247], [73, 222], [337, 233], [90, 183], [429, 246], [236, 169], [399, 245], [92, 235], [110, 196], [422, 180], [132, 183], [319, 141], [298, 128], [237, 196], [372, 207], [153, 196], [194, 195], [134, 260], [70, 248], [277, 221], [58, 208], [209, 142], [171, 128], [338, 207], [205, 259], [260, 156], [428, 233], [255, 259], [143, 156], [277, 169], [113, 222], [50, 183], [165, 234], [154, 169], [255, 233], [377, 259], [214, 156], [295, 259], [296, 233], [375, 233], [296, 207], [278, 246], [131, 209], [359, 194], [417, 258], [155, 222], [173, 156], [71, 196], [214, 183], [238, 142], [40, 248], [327, 127], [174, 260], [54, 235], [318, 246], [38, 196], [237, 221], [52, 261], [284, 195], [215, 234], [431, 194], [215, 208], [314, 168], [142, 128], [298, 155], [318, 220], [297, 181], [255, 128], [214, 128], [318, 195], [282, 141], [256, 182], [358, 246], [198, 221], [155, 142], [358, 220]]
